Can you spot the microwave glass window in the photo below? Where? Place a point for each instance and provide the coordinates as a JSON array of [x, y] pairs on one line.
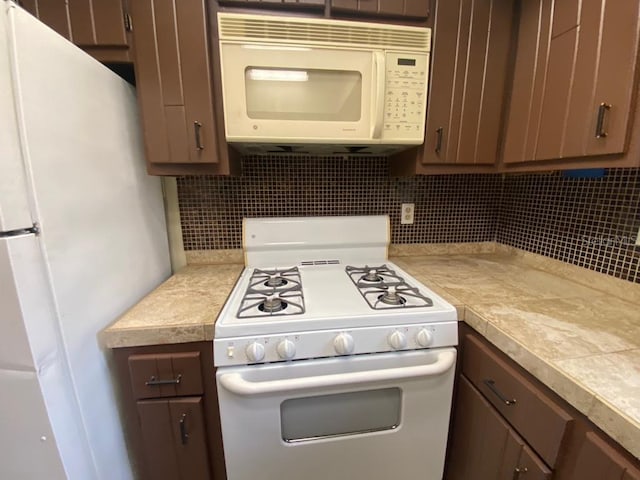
[[294, 94], [340, 414]]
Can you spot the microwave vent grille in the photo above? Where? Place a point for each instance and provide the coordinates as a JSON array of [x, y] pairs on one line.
[[335, 33]]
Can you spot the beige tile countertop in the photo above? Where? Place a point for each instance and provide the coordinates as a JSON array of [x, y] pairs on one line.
[[182, 309], [576, 330]]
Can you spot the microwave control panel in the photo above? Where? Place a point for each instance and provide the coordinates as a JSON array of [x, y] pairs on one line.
[[405, 96]]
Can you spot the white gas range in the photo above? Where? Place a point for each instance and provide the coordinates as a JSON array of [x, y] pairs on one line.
[[323, 345]]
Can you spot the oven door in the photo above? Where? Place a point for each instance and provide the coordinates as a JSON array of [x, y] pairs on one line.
[[371, 417], [279, 94]]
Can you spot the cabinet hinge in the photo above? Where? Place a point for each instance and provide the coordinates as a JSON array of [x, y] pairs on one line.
[[128, 24]]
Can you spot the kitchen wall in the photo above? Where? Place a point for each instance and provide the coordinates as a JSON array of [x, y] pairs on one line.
[[587, 222]]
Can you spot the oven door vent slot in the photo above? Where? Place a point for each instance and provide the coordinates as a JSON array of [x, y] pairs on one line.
[[308, 263]]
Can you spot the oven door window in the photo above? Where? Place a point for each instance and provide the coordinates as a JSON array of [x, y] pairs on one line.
[[341, 414], [303, 94]]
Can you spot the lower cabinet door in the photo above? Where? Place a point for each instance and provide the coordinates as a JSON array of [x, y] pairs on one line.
[[599, 461], [174, 438], [484, 446]]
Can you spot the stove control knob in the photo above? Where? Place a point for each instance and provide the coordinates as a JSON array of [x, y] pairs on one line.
[[424, 338], [255, 352], [286, 349], [397, 340], [343, 343]]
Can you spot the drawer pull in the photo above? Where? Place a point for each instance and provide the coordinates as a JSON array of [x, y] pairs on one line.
[[153, 381], [518, 471], [184, 436], [439, 133], [492, 386], [197, 126], [602, 110]]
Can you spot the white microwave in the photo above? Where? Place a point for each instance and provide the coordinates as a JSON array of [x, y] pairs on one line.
[[294, 84]]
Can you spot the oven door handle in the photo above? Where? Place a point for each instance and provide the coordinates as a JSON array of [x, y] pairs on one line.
[[234, 382]]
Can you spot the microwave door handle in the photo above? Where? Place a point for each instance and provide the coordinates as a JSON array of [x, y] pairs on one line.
[[235, 383], [378, 109]]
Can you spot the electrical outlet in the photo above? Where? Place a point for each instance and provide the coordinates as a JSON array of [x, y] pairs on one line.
[[406, 213], [638, 237]]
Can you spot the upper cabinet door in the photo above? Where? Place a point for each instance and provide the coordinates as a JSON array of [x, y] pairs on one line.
[[100, 27], [53, 13], [98, 22], [574, 79], [174, 80], [391, 8], [470, 56]]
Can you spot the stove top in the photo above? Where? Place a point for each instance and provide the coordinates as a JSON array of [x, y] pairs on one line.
[[314, 297], [271, 292], [319, 287]]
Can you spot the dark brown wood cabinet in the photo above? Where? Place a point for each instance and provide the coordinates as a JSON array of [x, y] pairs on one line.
[[574, 80], [100, 27], [384, 8], [491, 448], [171, 411], [598, 460], [175, 88], [174, 438], [506, 425], [469, 66], [274, 3]]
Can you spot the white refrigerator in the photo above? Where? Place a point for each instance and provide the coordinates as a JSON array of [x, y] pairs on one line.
[[82, 239]]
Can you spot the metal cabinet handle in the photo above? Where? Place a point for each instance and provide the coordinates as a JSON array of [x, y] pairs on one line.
[[439, 133], [602, 110], [184, 436], [518, 471], [492, 386], [197, 126], [153, 381]]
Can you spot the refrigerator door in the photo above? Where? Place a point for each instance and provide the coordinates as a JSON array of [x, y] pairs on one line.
[[103, 243], [103, 239], [28, 329], [30, 452], [14, 201]]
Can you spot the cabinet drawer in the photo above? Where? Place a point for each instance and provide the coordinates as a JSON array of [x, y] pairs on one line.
[[537, 418], [165, 375]]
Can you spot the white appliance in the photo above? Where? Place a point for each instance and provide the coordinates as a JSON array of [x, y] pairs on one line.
[[294, 85], [332, 361], [82, 239]]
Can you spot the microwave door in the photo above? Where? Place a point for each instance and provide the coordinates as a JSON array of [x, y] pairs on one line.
[[279, 94]]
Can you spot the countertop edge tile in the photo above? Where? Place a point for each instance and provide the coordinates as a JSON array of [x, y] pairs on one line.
[[578, 396], [616, 424], [139, 337]]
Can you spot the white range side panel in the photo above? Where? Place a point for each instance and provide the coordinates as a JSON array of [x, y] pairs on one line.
[[103, 237], [287, 241]]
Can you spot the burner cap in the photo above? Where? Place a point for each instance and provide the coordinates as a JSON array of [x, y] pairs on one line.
[[276, 281], [272, 305], [372, 276], [391, 297]]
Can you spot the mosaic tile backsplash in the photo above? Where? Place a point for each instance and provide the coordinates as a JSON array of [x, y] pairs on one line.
[[448, 208], [587, 222]]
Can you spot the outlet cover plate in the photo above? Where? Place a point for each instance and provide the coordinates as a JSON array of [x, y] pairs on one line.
[[406, 213]]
